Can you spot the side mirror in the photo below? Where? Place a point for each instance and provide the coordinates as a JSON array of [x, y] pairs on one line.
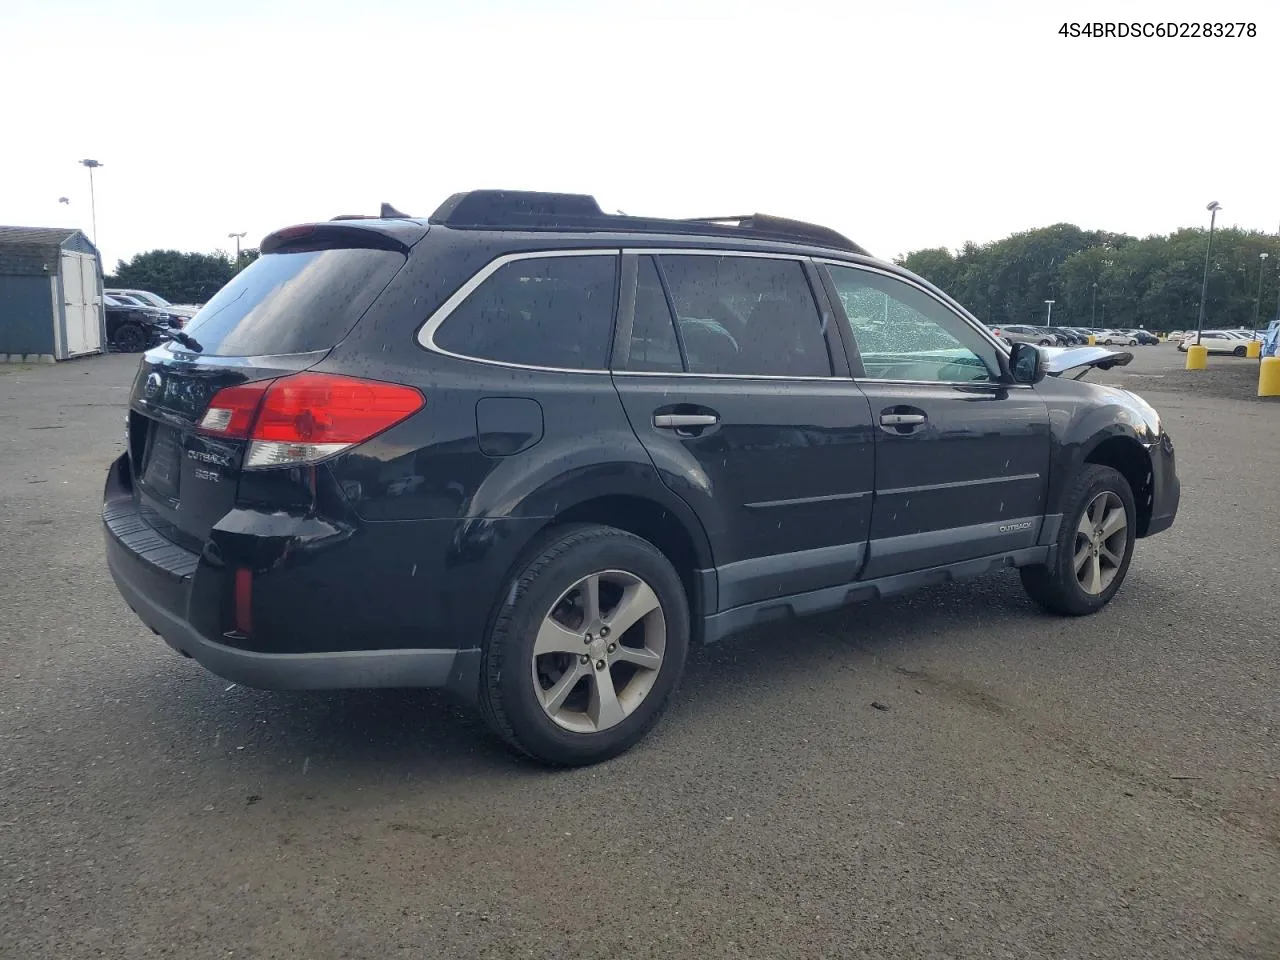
[[1026, 363]]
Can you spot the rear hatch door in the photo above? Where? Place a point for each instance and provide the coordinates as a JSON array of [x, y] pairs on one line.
[[281, 315]]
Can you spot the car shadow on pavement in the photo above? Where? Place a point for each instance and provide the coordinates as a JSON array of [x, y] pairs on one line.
[[374, 734]]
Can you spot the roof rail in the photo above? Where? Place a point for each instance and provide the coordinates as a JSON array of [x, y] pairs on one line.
[[530, 210]]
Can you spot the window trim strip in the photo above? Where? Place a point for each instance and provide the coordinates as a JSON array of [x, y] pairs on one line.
[[426, 333]]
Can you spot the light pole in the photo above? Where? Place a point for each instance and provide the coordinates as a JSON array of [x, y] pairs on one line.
[[1048, 317], [1093, 311], [93, 207], [1257, 304], [238, 237], [1213, 209]]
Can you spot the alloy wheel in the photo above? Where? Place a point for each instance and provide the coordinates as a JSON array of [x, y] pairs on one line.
[[1101, 540], [598, 651]]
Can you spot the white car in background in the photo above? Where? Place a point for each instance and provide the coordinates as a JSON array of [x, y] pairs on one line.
[[1218, 341], [1116, 338]]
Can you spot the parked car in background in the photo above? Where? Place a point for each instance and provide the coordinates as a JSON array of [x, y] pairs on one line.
[[1271, 339], [416, 453], [1217, 341], [1022, 333], [149, 299], [1065, 336], [1116, 337], [132, 327], [1144, 337]]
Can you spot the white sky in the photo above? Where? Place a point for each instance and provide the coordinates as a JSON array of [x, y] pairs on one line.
[[904, 124]]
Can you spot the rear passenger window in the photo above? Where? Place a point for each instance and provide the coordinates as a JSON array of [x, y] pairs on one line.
[[746, 315], [653, 335], [554, 311]]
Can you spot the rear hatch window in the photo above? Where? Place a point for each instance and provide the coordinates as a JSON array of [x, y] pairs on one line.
[[292, 302]]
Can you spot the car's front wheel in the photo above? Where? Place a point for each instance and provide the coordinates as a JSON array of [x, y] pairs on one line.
[[130, 338], [1093, 549], [1240, 351], [587, 648]]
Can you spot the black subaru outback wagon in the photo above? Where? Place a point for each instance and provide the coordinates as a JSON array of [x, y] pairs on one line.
[[530, 452]]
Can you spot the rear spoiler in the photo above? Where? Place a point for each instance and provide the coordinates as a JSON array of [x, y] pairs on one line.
[[1059, 360], [396, 235]]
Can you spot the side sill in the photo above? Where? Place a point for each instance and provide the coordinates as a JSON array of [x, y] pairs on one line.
[[725, 624]]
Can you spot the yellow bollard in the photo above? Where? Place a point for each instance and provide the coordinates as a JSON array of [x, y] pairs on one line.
[[1093, 341], [1269, 377], [1253, 349], [1197, 356]]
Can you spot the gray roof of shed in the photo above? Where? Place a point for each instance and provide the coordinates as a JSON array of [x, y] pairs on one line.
[[35, 236], [34, 251]]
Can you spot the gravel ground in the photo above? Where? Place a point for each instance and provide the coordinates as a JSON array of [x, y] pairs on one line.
[[1036, 787]]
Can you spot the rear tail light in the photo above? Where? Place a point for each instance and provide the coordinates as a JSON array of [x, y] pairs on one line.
[[307, 417], [232, 410]]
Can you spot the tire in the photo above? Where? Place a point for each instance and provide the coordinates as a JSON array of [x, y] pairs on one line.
[[130, 338], [1240, 351], [547, 596], [1056, 586], [1046, 342]]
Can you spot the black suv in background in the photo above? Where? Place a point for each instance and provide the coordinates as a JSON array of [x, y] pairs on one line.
[[132, 327], [529, 451]]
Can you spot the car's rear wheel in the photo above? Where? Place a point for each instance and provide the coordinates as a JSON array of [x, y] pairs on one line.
[[1093, 549], [587, 648], [1240, 351], [1046, 342], [130, 338]]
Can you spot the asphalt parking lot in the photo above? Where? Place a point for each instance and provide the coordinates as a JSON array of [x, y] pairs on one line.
[[1036, 787]]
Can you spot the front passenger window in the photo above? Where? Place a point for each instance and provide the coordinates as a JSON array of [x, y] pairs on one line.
[[902, 333]]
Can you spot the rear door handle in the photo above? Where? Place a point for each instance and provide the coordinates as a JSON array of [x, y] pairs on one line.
[[676, 421], [902, 419]]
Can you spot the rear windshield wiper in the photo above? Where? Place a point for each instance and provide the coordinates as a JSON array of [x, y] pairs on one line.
[[186, 340]]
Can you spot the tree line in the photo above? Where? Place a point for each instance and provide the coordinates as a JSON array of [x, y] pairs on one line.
[[1095, 278], [180, 277], [1101, 279]]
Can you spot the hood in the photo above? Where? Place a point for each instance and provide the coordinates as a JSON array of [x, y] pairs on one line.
[[1058, 360]]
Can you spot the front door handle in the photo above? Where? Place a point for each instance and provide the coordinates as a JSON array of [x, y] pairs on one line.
[[902, 419], [678, 421]]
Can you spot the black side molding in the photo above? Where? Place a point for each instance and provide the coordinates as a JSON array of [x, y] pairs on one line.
[[721, 625]]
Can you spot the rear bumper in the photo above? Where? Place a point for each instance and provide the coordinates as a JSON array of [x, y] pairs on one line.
[[180, 595], [286, 671]]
